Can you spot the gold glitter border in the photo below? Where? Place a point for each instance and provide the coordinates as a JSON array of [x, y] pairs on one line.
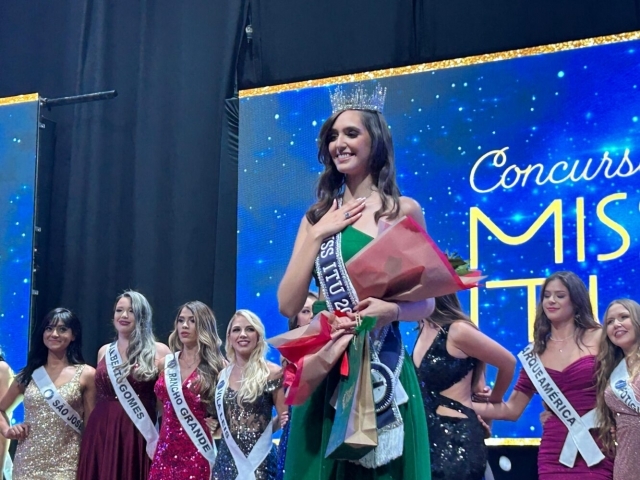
[[29, 97], [457, 62], [512, 442]]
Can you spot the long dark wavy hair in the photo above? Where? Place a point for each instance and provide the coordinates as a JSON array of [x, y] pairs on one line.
[[381, 166], [448, 310], [583, 312], [608, 358], [38, 352]]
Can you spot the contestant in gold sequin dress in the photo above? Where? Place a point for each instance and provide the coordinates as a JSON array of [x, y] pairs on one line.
[[621, 344], [251, 376], [47, 446], [51, 449]]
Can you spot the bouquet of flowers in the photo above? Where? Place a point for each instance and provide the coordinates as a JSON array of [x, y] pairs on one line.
[[402, 264]]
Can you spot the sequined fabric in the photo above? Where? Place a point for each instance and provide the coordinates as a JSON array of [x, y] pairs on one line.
[[247, 422], [112, 447], [50, 452], [176, 456], [625, 466], [457, 444]]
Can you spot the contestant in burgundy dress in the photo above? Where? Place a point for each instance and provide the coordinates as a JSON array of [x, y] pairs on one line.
[[112, 447], [578, 385]]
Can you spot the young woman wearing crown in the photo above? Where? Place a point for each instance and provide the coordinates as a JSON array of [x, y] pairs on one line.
[[356, 190]]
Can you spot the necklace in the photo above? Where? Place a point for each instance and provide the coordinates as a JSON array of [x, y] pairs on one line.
[[560, 340], [187, 364], [370, 193], [241, 371]]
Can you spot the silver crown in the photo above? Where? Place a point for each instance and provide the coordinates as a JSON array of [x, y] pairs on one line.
[[358, 98]]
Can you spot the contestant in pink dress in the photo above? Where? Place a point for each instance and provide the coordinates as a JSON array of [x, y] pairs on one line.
[[566, 340], [199, 362], [621, 344]]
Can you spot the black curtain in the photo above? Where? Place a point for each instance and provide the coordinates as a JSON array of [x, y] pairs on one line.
[[294, 41], [136, 180]]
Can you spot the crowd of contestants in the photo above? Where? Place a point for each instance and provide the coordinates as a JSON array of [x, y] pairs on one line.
[[234, 394]]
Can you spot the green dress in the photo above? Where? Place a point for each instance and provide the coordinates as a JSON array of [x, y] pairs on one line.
[[311, 423]]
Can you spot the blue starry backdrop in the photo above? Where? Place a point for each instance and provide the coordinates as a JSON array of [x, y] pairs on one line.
[[18, 133], [540, 153]]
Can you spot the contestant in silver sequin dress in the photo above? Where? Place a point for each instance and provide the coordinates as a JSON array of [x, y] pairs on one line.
[[620, 344], [48, 448], [255, 387]]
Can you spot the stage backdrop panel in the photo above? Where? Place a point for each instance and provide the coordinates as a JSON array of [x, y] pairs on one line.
[[524, 162], [18, 147]]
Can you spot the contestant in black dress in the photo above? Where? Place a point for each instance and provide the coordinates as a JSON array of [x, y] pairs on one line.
[[450, 354]]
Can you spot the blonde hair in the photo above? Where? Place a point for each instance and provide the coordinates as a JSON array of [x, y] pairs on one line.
[[141, 351], [256, 372], [608, 358], [212, 362]]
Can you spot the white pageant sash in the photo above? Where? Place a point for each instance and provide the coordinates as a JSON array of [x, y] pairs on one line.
[[189, 422], [621, 386], [579, 438], [130, 401], [245, 465], [56, 401]]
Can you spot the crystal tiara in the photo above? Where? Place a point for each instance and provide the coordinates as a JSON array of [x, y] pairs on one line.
[[358, 98]]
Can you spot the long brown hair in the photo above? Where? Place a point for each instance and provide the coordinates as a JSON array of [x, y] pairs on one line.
[[583, 312], [608, 358], [212, 361], [447, 311], [381, 166]]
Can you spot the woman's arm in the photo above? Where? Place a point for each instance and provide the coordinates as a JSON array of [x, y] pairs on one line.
[[294, 286], [88, 384], [476, 344], [8, 402], [509, 410], [5, 381], [282, 412]]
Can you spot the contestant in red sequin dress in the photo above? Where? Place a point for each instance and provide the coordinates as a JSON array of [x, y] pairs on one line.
[[176, 456], [199, 362]]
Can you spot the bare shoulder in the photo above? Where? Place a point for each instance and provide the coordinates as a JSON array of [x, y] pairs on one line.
[[162, 350], [411, 208], [592, 338], [102, 351], [5, 369], [461, 328], [88, 373], [275, 371]]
